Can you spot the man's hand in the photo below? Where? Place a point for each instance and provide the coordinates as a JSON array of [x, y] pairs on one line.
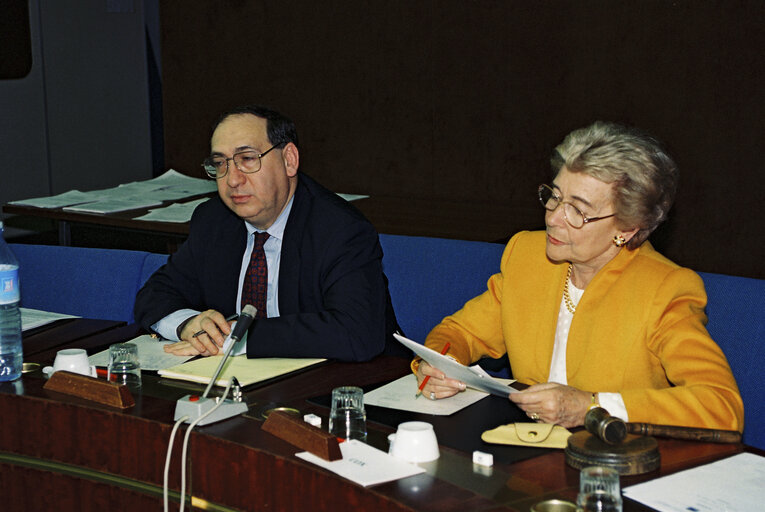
[[438, 386], [554, 403], [215, 327]]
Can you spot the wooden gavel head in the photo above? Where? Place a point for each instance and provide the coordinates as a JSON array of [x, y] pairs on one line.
[[605, 427]]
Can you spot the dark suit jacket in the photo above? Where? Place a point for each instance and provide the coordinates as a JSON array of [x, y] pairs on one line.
[[333, 296]]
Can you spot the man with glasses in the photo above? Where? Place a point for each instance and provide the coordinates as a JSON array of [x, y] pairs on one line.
[[306, 259]]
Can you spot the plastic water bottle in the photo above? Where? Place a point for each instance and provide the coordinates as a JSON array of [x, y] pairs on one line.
[[11, 354]]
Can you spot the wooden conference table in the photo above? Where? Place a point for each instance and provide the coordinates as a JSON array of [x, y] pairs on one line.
[[59, 451]]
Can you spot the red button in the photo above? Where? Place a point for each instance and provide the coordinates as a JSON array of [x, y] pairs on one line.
[[193, 398]]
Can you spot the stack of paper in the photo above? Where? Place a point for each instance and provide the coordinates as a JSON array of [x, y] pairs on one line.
[[735, 484], [32, 318], [151, 354], [171, 186], [246, 371]]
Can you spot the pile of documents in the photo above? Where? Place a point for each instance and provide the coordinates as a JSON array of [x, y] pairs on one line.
[[171, 186]]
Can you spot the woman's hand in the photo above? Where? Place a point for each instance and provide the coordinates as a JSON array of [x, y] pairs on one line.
[[554, 403], [438, 385]]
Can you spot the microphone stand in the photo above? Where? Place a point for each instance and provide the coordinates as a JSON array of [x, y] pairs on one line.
[[194, 406]]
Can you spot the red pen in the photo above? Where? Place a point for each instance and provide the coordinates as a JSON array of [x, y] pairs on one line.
[[427, 377]]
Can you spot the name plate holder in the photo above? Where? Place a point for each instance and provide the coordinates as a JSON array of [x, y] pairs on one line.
[[297, 432], [91, 388]]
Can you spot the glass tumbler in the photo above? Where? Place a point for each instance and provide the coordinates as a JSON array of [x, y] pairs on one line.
[[347, 419], [124, 366]]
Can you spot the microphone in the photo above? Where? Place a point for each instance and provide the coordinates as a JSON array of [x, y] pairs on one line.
[[193, 406], [242, 324]]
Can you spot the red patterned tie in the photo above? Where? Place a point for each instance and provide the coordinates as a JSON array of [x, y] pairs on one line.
[[256, 280]]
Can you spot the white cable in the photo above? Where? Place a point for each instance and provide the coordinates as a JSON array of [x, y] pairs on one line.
[[167, 460], [186, 442]]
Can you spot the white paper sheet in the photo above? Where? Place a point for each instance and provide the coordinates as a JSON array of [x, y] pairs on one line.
[[151, 355], [59, 200], [32, 318], [400, 394], [171, 186], [176, 212], [114, 205], [352, 197], [454, 370], [365, 464], [735, 484]]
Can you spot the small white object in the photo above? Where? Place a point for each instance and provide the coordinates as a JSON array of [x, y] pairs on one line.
[[312, 419], [73, 360], [414, 441], [483, 459]]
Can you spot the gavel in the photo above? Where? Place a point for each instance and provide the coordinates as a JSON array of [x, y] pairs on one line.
[[612, 430]]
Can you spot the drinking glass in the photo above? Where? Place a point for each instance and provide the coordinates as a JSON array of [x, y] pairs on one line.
[[347, 419], [600, 501], [599, 489], [124, 366]]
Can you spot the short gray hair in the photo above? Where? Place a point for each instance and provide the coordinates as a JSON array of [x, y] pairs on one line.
[[644, 176]]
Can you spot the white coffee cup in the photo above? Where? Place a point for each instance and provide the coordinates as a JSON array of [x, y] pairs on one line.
[[414, 441], [73, 360]]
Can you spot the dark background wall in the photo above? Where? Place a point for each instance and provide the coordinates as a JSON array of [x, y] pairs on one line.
[[456, 102], [464, 100]]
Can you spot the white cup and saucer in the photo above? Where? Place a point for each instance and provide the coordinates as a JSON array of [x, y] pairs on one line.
[[73, 360]]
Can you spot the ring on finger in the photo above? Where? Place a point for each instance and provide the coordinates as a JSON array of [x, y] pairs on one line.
[[534, 416], [432, 395]]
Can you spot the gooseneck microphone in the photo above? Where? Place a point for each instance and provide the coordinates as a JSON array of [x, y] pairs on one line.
[[198, 410], [242, 324]]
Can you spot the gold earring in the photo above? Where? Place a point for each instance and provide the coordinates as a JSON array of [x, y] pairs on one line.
[[619, 240]]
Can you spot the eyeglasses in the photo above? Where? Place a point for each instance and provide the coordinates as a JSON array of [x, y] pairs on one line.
[[571, 213], [247, 162]]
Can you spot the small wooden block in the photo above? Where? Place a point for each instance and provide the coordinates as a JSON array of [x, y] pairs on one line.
[[295, 431], [91, 388]]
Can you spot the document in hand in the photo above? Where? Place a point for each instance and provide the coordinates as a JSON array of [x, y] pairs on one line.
[[454, 370]]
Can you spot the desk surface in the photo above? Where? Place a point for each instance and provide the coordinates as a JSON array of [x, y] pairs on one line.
[[55, 448]]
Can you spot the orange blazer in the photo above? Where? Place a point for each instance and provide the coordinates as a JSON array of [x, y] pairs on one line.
[[639, 330]]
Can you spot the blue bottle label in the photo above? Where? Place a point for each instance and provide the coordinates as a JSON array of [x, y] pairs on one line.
[[9, 285]]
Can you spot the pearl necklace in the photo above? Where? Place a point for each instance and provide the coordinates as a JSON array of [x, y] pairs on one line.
[[566, 297]]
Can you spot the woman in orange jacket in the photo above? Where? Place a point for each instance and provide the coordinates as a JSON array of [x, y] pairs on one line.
[[588, 311]]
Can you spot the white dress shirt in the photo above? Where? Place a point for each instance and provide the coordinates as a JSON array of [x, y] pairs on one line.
[[167, 326]]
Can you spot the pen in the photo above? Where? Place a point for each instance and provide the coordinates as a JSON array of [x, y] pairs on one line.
[[427, 377], [228, 319]]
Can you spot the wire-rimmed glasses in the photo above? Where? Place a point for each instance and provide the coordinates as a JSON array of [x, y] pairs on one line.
[[247, 161], [573, 215]]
